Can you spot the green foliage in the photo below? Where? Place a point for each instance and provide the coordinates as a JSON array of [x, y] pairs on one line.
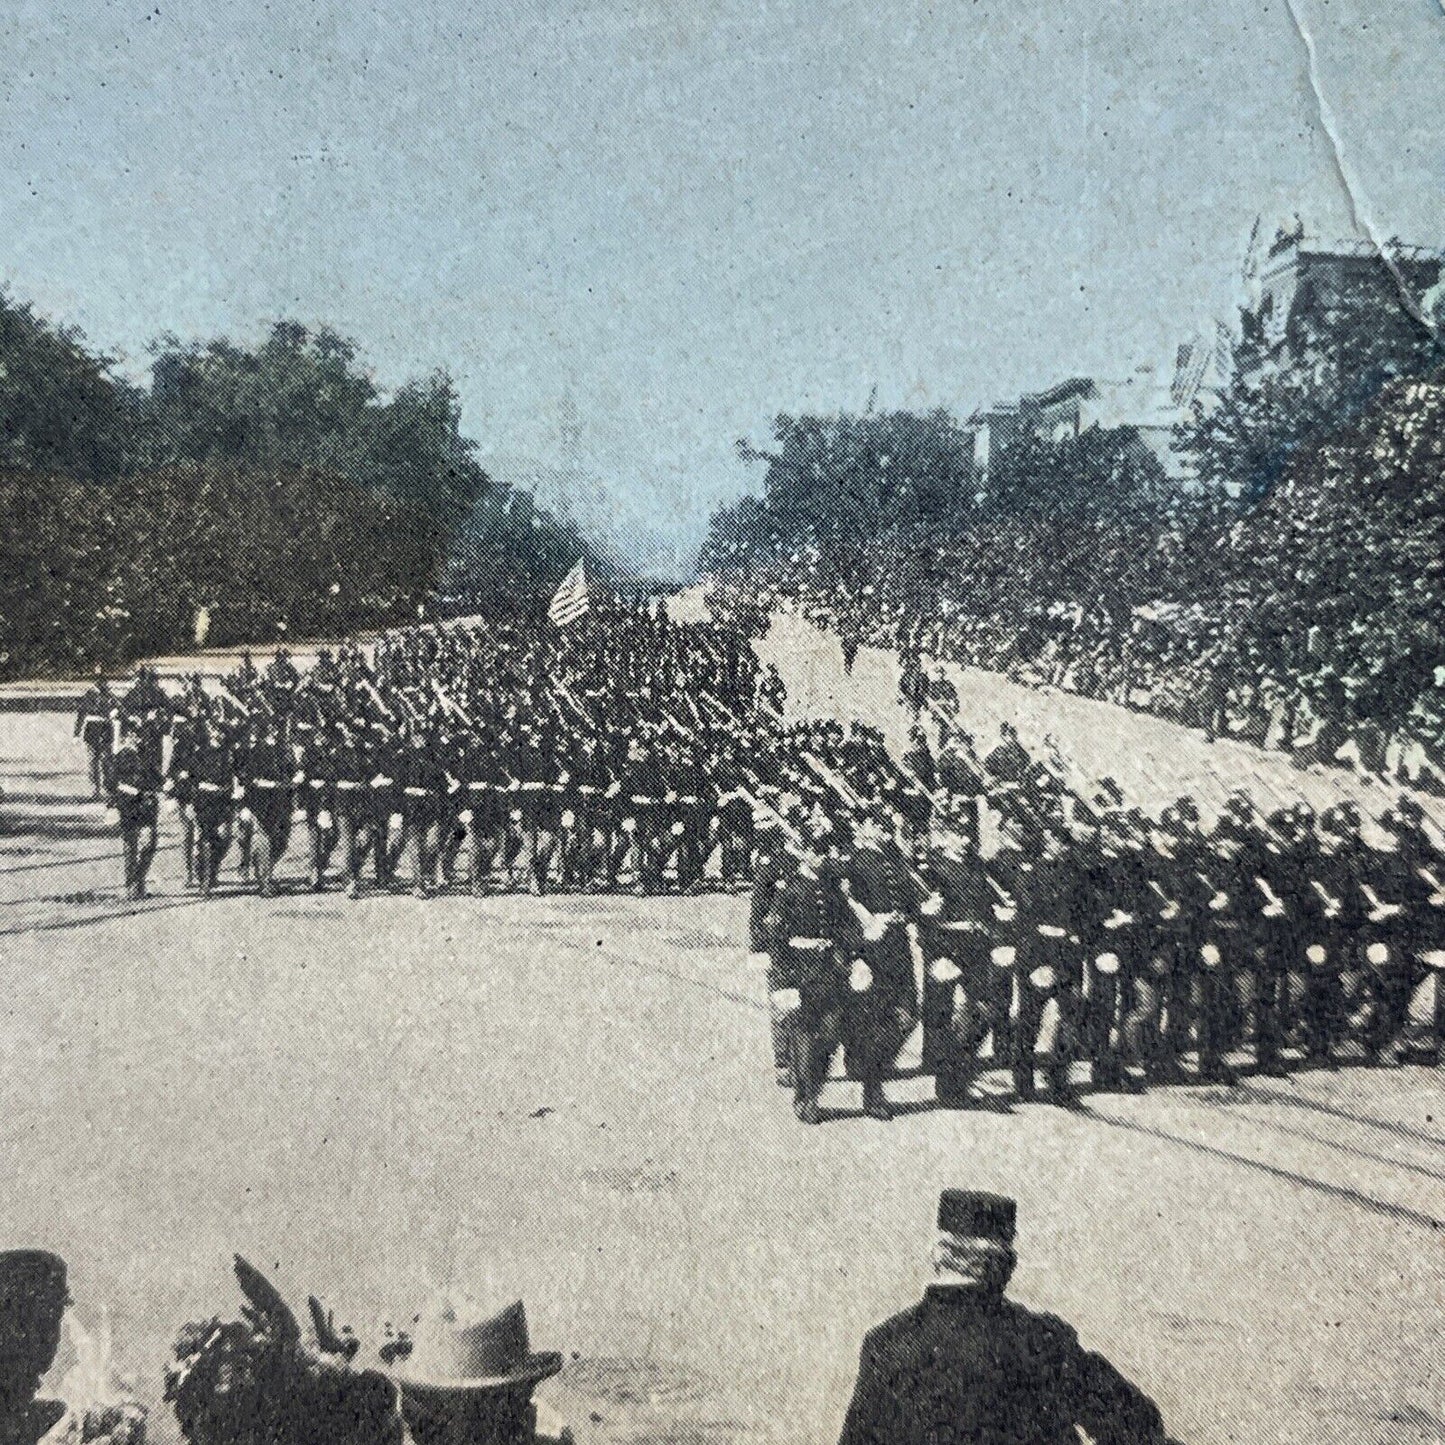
[[1099, 473], [1355, 537], [274, 487], [841, 479], [300, 401], [1287, 395], [60, 408]]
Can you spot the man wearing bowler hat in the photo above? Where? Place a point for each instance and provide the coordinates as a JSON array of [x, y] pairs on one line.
[[966, 1364]]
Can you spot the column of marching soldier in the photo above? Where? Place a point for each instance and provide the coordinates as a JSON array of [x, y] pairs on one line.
[[1053, 928], [609, 753], [1051, 924]]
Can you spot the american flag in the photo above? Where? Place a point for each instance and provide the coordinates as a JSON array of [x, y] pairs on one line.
[[571, 600]]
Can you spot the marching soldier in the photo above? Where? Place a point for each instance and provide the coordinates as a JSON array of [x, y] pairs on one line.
[[880, 1005], [1270, 934], [423, 789], [95, 726], [265, 775], [214, 784], [1114, 902], [137, 786], [965, 997], [351, 775], [180, 784], [482, 808], [1422, 872], [315, 780], [765, 946], [1047, 966], [809, 968]]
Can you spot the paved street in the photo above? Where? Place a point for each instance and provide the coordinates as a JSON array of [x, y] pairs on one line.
[[570, 1099]]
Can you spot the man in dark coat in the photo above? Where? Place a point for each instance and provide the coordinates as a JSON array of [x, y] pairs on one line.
[[968, 1365]]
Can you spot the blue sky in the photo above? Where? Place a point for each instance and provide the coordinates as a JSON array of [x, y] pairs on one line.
[[635, 230]]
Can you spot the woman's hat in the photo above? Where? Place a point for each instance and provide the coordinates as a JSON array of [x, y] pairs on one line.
[[451, 1354]]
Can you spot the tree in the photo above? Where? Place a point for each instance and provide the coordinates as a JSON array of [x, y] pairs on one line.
[[1288, 393], [61, 410]]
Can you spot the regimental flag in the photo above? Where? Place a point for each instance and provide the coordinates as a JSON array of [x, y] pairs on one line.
[[571, 600]]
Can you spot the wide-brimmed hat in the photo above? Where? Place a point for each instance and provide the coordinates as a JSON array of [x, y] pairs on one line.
[[450, 1353]]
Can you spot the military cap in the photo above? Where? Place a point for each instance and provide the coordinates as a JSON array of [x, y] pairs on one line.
[[974, 1214]]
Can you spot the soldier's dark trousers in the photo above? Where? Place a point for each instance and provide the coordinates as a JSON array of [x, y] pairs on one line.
[[188, 842], [421, 840], [1177, 1002], [138, 848], [1101, 1018], [813, 1032], [1268, 1035], [1322, 1006], [481, 850], [876, 1024], [1214, 1012], [99, 760], [353, 842], [319, 845], [1388, 989], [778, 1023], [211, 844], [957, 1018]]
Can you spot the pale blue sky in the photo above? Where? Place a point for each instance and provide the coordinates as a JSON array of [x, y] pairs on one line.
[[636, 229]]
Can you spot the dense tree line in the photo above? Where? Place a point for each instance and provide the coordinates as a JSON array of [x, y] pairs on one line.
[[1306, 560], [247, 493]]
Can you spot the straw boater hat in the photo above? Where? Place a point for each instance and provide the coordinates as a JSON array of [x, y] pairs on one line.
[[453, 1355]]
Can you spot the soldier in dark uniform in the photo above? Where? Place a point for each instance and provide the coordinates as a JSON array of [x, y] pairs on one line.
[[265, 775], [180, 783], [808, 970], [423, 793], [1114, 907], [315, 781], [772, 691], [1270, 885], [480, 812], [1419, 871], [1215, 930], [214, 783], [386, 820], [965, 997], [764, 944], [967, 1365], [1010, 761], [137, 786], [735, 833], [1387, 942], [351, 803], [1048, 967], [95, 727], [881, 1005]]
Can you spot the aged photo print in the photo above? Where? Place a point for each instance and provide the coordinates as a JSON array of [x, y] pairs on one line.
[[722, 722]]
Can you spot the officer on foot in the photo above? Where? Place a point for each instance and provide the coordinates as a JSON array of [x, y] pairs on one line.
[[966, 1364]]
